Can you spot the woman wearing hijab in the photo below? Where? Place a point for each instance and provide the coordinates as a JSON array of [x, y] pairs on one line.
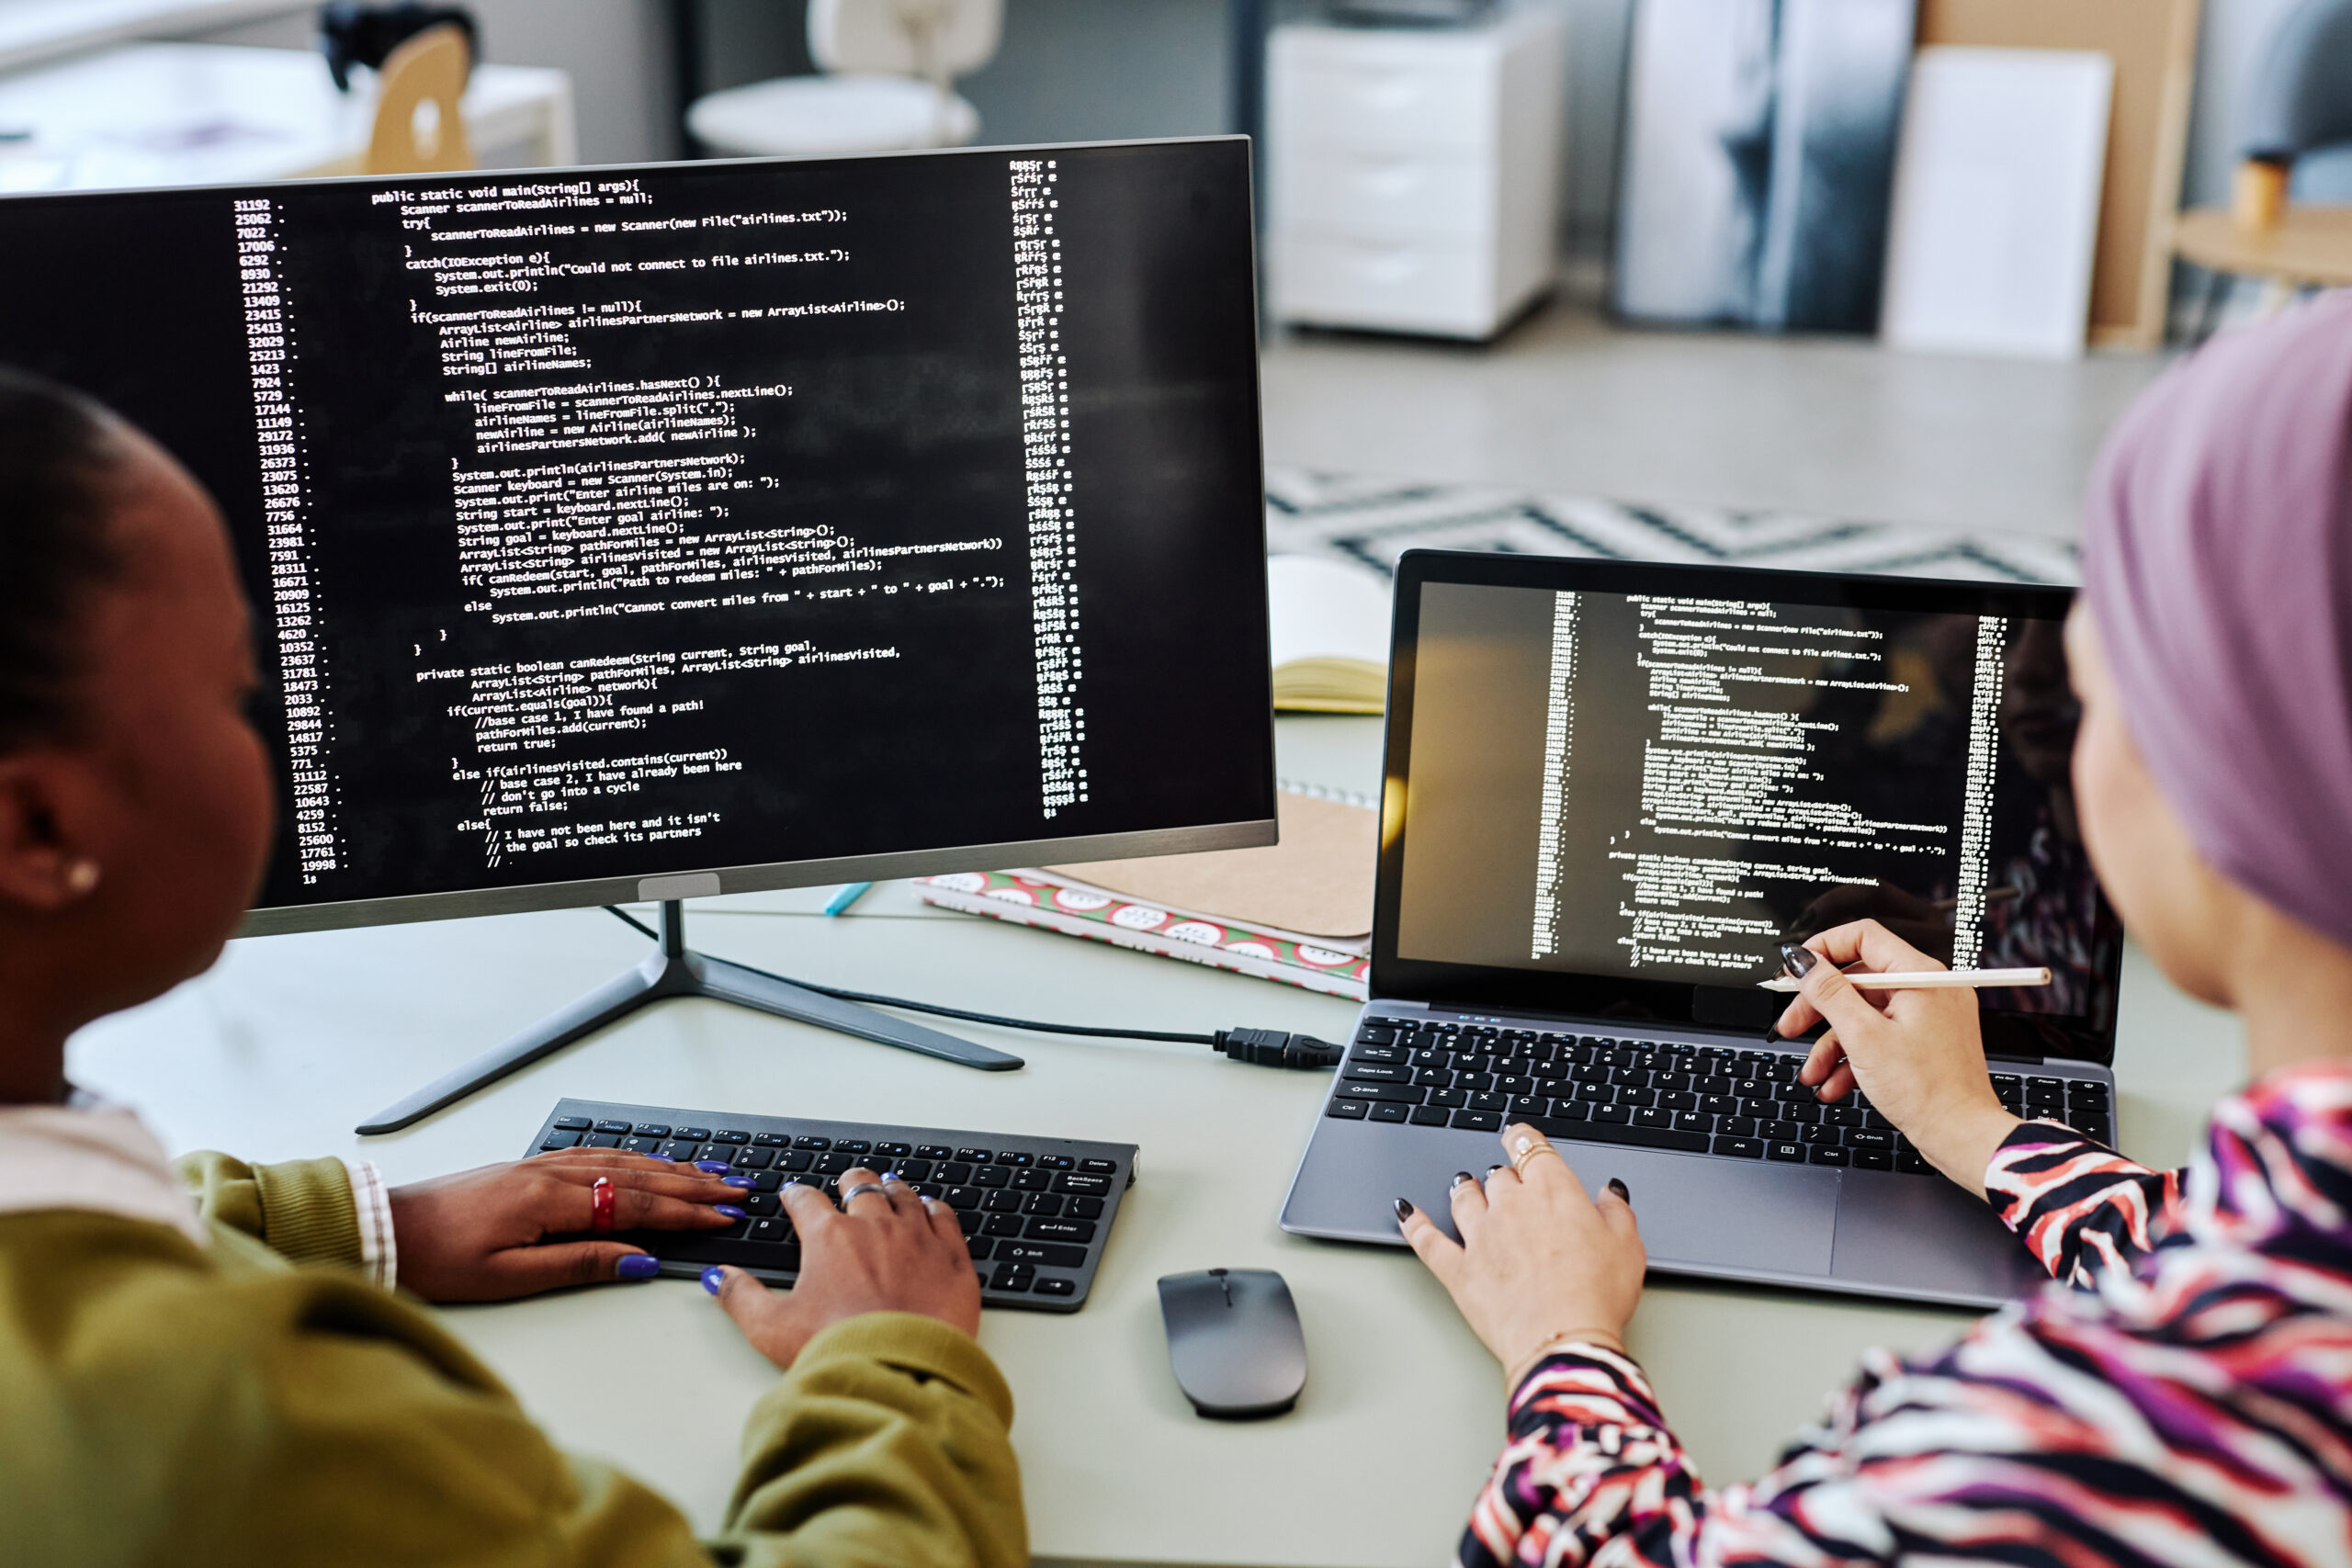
[[209, 1365], [2183, 1394]]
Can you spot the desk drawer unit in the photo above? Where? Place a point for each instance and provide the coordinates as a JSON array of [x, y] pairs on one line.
[[1413, 175]]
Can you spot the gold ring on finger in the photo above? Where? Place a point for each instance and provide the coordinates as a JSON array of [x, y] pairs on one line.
[[1520, 1161]]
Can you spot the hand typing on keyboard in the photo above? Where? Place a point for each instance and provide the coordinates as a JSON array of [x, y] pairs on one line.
[[1919, 1055], [482, 1236], [883, 1250]]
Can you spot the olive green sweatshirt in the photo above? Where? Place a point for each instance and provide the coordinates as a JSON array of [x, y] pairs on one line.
[[253, 1399]]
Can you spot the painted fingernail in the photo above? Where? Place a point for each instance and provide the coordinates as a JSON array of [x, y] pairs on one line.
[[639, 1266], [713, 1166], [1798, 959], [894, 1176], [1772, 1035], [1459, 1178], [1492, 1169], [1403, 1211], [794, 1182], [712, 1279], [740, 1181], [730, 1210], [1619, 1187]]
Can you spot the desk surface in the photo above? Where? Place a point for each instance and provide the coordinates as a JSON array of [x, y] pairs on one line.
[[279, 1050], [175, 114]]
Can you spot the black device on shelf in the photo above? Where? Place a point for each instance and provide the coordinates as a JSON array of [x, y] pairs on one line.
[[1037, 1212]]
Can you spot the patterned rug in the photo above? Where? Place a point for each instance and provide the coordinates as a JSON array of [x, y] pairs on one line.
[[1371, 522]]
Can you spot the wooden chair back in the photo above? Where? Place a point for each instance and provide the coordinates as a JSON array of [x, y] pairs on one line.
[[420, 129]]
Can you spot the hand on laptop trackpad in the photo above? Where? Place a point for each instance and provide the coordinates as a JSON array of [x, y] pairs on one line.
[[1720, 1213]]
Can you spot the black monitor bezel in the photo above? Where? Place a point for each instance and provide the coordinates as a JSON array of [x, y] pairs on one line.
[[1487, 987], [691, 881]]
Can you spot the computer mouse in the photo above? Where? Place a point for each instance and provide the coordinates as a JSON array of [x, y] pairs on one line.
[[1234, 1342]]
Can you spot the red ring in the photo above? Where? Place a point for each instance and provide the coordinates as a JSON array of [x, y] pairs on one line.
[[600, 1195]]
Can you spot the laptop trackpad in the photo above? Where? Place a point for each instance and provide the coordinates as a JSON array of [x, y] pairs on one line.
[[1721, 1212]]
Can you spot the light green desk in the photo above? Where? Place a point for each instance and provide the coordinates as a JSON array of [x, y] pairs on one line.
[[283, 1047]]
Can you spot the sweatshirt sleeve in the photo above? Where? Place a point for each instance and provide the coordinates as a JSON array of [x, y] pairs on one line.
[[305, 1211], [2081, 1208], [889, 1443]]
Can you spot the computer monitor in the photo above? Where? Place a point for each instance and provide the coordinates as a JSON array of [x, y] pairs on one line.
[[1615, 787], [660, 531]]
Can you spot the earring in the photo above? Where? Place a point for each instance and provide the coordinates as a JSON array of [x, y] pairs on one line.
[[82, 877]]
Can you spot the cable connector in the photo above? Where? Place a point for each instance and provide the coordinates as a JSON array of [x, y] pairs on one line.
[[1273, 1048]]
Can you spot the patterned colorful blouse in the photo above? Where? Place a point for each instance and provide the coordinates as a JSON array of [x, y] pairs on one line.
[[2189, 1403]]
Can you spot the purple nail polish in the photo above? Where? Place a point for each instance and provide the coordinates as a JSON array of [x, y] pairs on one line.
[[1797, 959], [730, 1210], [712, 1167], [738, 1181], [712, 1279], [638, 1265]]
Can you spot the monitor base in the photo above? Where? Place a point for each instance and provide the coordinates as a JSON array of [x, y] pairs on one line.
[[676, 970]]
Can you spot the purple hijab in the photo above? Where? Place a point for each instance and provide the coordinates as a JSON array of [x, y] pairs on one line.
[[2217, 560]]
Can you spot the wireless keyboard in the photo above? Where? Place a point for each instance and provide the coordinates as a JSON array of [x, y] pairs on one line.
[[1740, 1104], [1037, 1212]]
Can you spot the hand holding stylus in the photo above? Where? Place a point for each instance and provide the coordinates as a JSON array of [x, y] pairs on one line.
[[1917, 1053]]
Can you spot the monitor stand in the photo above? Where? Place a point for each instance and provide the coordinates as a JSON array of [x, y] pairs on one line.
[[676, 970]]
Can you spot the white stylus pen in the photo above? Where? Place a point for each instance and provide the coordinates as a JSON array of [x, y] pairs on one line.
[[1925, 979]]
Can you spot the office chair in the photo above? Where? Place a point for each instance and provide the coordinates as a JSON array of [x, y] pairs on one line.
[[2300, 101], [890, 70]]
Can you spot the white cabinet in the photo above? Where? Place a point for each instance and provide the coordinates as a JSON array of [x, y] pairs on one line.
[[1414, 176]]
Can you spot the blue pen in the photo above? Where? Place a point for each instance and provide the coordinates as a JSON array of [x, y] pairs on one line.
[[848, 893]]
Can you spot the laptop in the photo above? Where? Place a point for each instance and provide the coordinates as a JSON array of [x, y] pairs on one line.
[[1611, 788]]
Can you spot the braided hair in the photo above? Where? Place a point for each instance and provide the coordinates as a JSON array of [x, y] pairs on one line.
[[57, 451]]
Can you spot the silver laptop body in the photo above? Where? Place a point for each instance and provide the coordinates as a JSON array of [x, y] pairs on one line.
[[1610, 788]]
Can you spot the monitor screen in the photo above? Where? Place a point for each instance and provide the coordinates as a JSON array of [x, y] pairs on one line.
[[1617, 788], [790, 520]]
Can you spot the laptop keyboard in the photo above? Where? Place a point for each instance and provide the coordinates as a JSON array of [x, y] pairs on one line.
[[1037, 1212], [1701, 1099]]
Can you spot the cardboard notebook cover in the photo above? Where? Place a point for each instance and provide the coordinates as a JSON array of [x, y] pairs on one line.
[[1316, 882]]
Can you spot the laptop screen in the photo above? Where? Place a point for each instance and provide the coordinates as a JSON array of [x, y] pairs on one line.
[[1614, 788]]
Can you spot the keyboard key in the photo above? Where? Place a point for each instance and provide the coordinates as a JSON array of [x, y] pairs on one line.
[[1693, 1121], [978, 1156], [573, 1124], [1866, 1138], [934, 1151], [760, 1203], [1449, 1099], [915, 1169], [794, 1160], [1032, 1181], [1083, 1186], [953, 1172], [1402, 1094], [1740, 1148], [1490, 1099], [1617, 1132], [1010, 1279], [2080, 1092], [1086, 1208], [1379, 1072], [767, 1181], [682, 1152], [1045, 1203], [771, 1227], [852, 1147], [1872, 1159], [895, 1151], [1433, 1077], [805, 1143], [1050, 1254], [1794, 1154], [1001, 1224], [1650, 1116], [1348, 1109], [1612, 1115], [1775, 1130], [1384, 1112], [1911, 1163], [560, 1139], [1079, 1231], [603, 1140], [1001, 1200], [1433, 1115], [1829, 1153], [991, 1176], [970, 1220], [1571, 1110], [730, 1136], [636, 1145], [980, 1248], [658, 1131], [1813, 1137], [780, 1141], [1006, 1157], [961, 1198], [1055, 1285], [1479, 1120], [618, 1129], [2094, 1127]]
